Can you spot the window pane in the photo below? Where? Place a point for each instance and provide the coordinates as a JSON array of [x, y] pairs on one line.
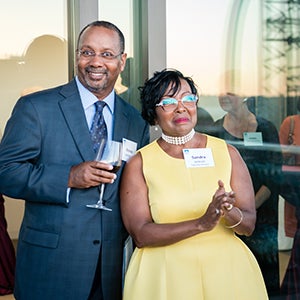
[[245, 58], [33, 52]]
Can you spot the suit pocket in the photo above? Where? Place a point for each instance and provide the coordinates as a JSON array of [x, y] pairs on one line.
[[40, 238]]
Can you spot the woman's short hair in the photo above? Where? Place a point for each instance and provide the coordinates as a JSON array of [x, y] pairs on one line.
[[167, 80]]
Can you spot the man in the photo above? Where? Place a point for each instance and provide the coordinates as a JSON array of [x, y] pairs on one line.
[[65, 249]]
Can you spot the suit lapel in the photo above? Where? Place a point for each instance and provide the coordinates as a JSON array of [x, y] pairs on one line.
[[121, 122], [73, 112]]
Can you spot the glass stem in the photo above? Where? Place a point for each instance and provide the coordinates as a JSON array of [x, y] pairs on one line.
[[101, 193]]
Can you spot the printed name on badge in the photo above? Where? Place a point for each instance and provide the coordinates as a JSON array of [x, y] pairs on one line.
[[129, 149], [253, 139], [198, 158]]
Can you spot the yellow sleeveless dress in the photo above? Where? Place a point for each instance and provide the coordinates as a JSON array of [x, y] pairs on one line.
[[215, 265]]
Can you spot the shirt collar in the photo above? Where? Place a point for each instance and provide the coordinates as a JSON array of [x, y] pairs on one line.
[[88, 98]]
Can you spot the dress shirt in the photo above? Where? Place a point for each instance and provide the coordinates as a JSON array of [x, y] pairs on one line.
[[88, 99]]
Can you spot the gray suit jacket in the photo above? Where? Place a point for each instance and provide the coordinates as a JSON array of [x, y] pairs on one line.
[[59, 243]]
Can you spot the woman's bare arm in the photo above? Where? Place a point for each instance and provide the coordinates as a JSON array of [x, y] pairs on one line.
[[242, 186]]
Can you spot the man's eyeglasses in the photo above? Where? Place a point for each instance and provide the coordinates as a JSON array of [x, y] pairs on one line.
[[170, 104], [107, 55]]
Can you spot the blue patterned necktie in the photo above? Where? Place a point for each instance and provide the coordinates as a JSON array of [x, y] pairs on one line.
[[98, 129]]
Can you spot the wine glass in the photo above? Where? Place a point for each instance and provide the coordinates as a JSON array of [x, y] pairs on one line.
[[111, 153]]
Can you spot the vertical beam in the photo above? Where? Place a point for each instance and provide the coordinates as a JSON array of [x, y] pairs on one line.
[[157, 46]]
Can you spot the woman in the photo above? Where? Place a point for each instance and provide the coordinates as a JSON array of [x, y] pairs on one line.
[[291, 126], [7, 255], [257, 141], [183, 197], [289, 135]]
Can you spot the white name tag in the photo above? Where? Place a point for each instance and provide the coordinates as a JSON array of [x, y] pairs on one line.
[[253, 139], [198, 157], [129, 149]]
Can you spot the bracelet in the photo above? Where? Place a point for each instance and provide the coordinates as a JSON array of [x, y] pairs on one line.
[[240, 221]]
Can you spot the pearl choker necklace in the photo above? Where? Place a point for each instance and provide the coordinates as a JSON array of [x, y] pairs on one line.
[[178, 140]]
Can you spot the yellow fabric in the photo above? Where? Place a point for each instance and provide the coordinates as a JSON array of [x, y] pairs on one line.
[[211, 266]]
